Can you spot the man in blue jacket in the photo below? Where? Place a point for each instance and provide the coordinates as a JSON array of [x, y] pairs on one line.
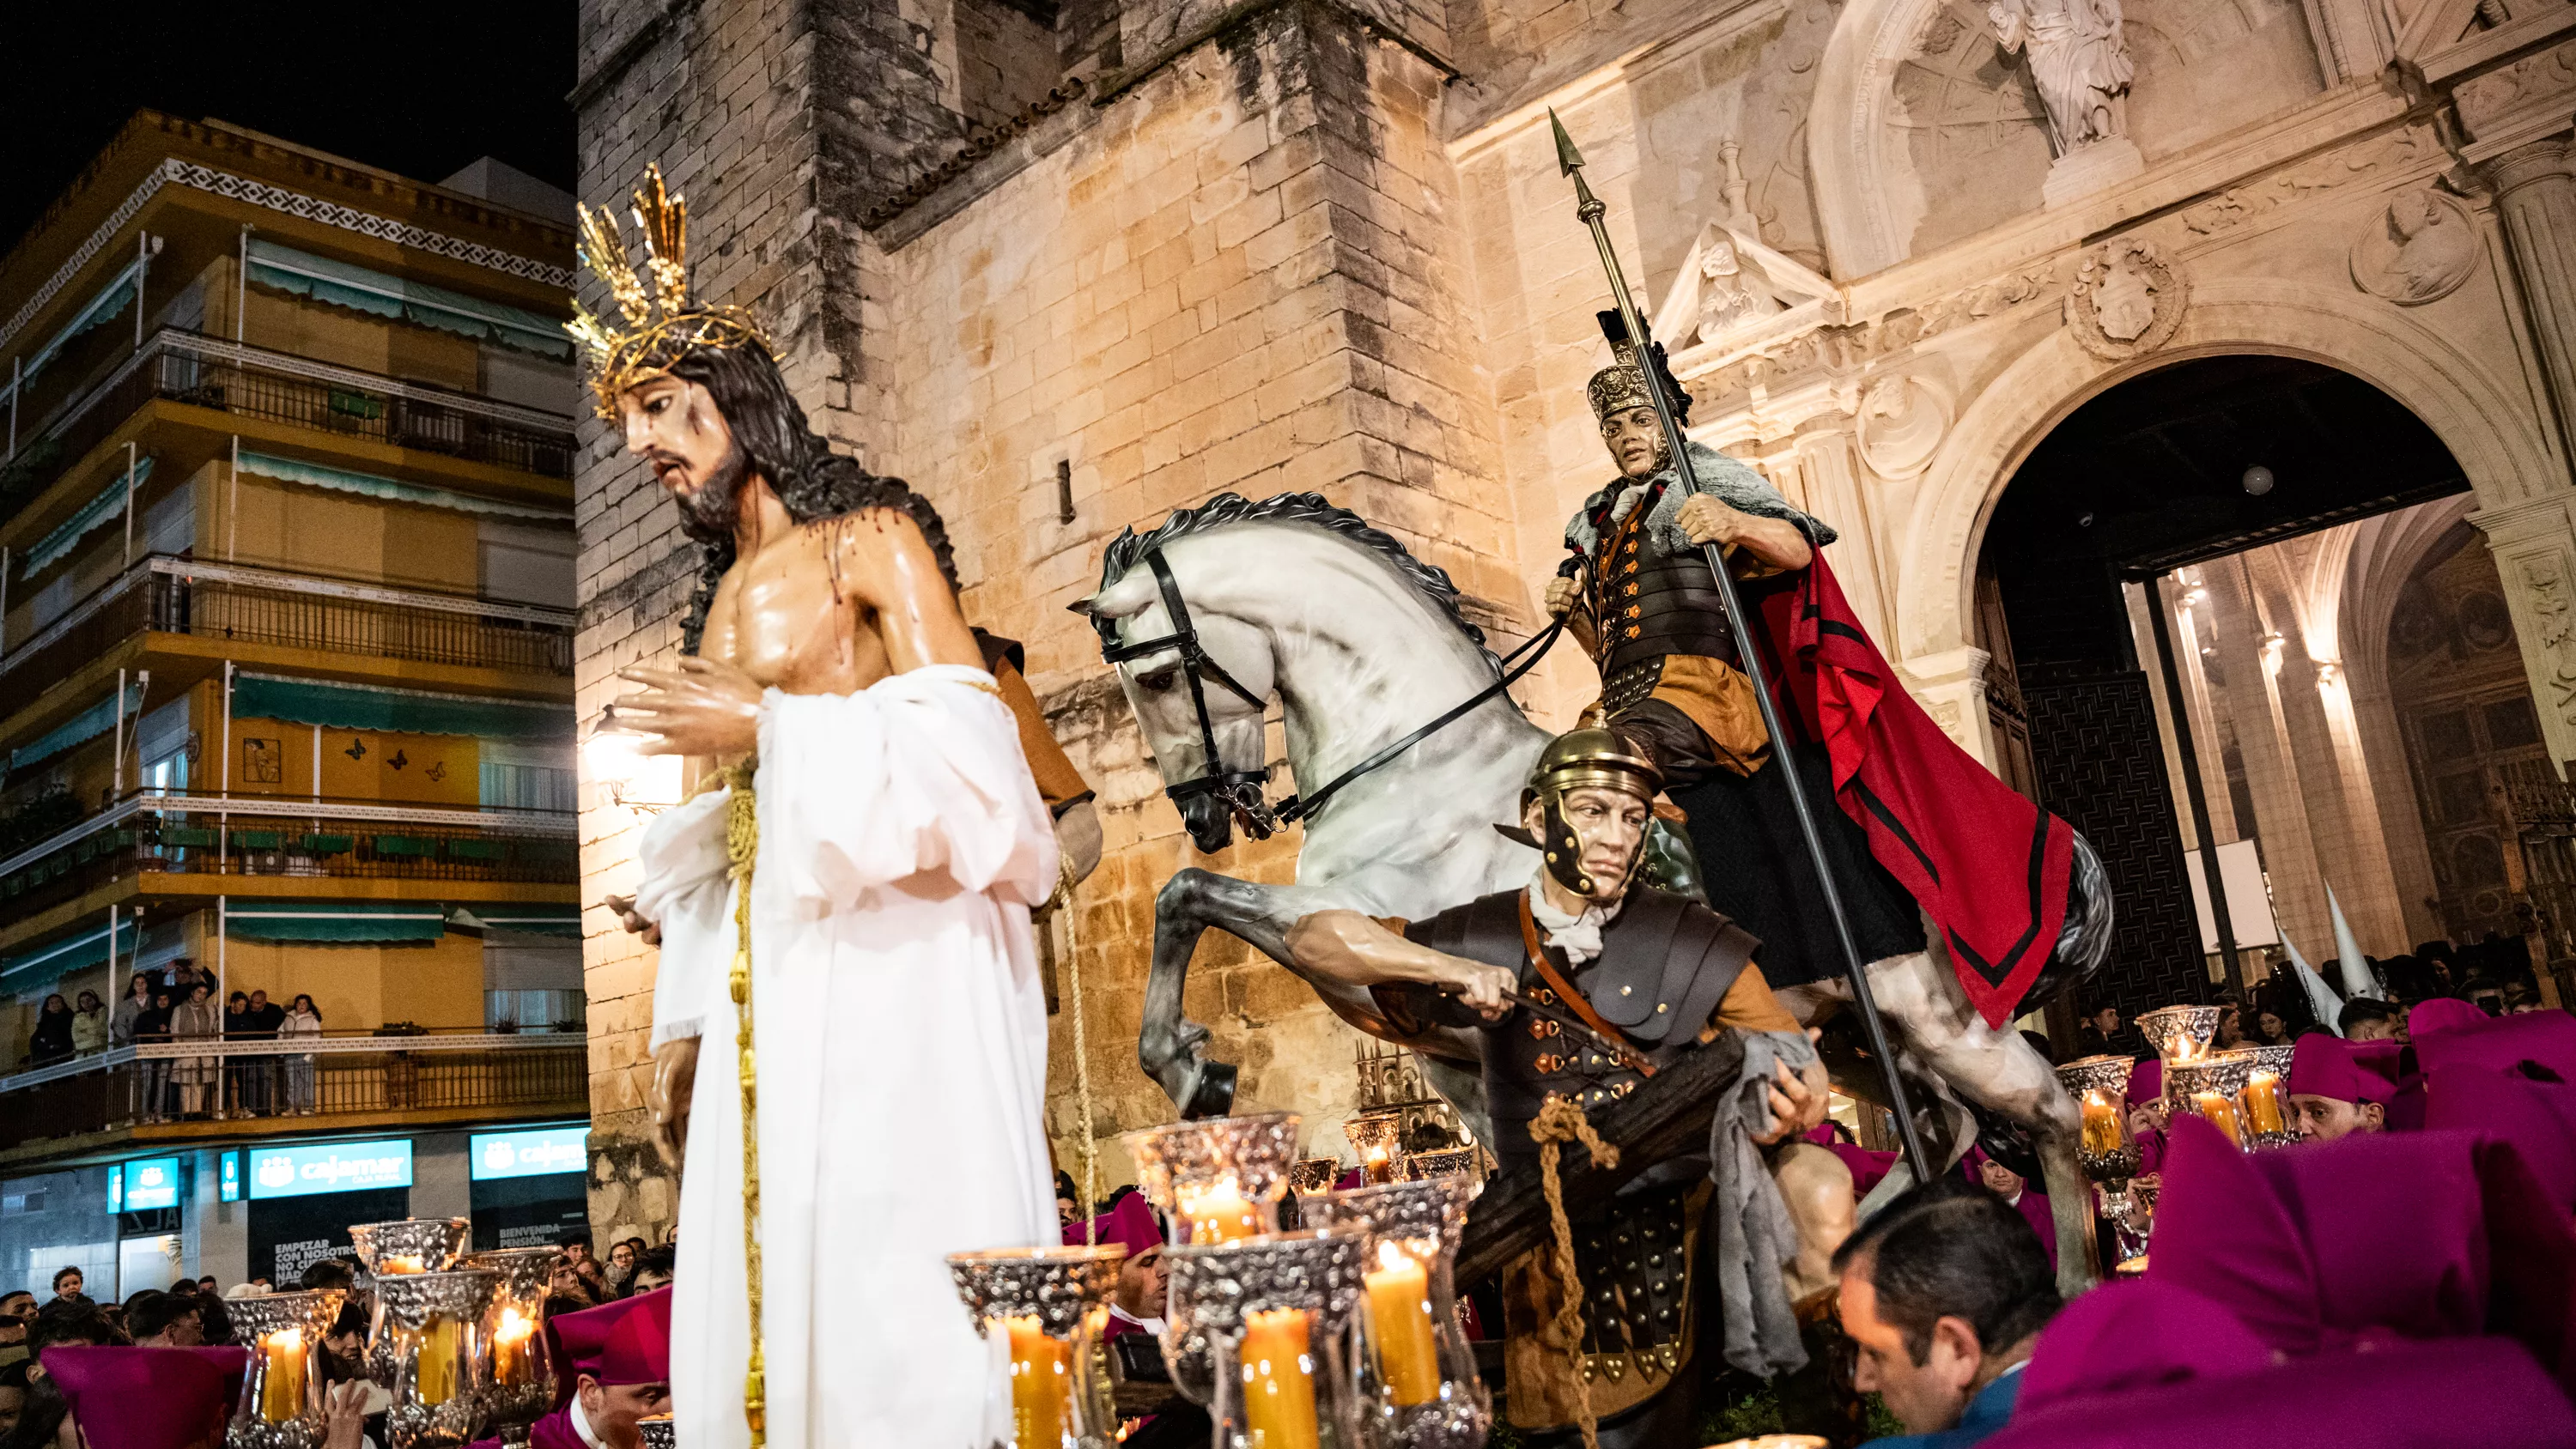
[[1944, 1292]]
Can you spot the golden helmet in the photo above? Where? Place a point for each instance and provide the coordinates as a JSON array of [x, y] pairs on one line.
[[1593, 757]]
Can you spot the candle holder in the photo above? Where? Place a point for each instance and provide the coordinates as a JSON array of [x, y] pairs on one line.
[[1467, 1162], [434, 1325], [2266, 1098], [1312, 1175], [1417, 1376], [406, 1245], [1214, 1180], [2208, 1088], [1378, 1138], [1039, 1312], [2100, 1087], [658, 1431], [520, 1369], [1221, 1178], [1276, 1314], [2181, 1033], [281, 1401]]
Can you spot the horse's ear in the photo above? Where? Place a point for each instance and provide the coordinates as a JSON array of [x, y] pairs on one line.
[[1128, 596]]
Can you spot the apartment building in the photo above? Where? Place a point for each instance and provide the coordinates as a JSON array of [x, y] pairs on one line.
[[286, 643]]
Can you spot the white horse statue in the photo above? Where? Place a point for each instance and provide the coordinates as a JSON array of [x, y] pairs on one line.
[[1295, 599]]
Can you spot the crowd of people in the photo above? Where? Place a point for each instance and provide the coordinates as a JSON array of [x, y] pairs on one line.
[[45, 1357], [178, 1002]]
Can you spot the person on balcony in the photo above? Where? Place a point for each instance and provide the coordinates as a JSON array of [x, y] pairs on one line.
[[51, 1041], [303, 1018], [199, 1019], [152, 1026], [136, 1001], [89, 1024], [239, 1093]]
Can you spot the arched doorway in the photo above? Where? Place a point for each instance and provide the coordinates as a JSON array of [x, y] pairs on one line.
[[2226, 543]]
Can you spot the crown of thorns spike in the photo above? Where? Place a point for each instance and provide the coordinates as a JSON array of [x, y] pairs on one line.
[[661, 325]]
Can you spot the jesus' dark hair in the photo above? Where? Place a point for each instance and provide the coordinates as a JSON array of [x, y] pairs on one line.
[[771, 433]]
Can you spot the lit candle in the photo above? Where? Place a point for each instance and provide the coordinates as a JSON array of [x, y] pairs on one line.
[[1278, 1381], [512, 1363], [2219, 1113], [2263, 1103], [1399, 1300], [2101, 1125], [1041, 1385], [281, 1387], [399, 1263], [1219, 1212], [434, 1379], [1377, 1163]]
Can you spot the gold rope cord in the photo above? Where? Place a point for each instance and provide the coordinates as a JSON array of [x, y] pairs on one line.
[[1560, 1120], [742, 851], [1063, 901]]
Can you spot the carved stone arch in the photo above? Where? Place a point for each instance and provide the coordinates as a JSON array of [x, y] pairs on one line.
[[2491, 431], [1866, 194]]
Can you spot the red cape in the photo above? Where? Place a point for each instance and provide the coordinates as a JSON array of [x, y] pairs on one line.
[[1990, 868]]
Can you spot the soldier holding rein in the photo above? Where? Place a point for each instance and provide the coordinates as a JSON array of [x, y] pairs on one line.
[[1655, 975]]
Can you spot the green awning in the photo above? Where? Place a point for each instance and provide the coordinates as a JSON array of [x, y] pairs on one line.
[[89, 724], [78, 951], [108, 504], [406, 711], [110, 303], [559, 921], [336, 923], [341, 480], [384, 295]]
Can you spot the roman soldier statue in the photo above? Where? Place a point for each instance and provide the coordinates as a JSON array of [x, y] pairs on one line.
[[1923, 828], [865, 862], [1582, 983]]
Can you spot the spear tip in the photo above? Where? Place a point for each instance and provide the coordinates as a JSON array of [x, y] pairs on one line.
[[1568, 160]]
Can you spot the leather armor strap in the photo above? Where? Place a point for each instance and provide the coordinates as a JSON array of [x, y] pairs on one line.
[[1575, 1001]]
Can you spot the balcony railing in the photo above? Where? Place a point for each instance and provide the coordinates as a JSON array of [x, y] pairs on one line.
[[270, 606], [252, 837], [280, 387], [213, 1080]]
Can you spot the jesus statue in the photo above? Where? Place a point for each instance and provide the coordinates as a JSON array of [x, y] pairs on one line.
[[846, 914]]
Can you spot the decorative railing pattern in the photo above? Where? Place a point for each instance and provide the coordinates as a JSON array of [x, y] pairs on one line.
[[271, 606], [252, 836], [215, 1080]]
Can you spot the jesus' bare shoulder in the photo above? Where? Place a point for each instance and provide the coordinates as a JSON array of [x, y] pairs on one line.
[[833, 606]]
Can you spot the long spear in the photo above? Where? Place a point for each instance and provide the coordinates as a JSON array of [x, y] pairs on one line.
[[1589, 209]]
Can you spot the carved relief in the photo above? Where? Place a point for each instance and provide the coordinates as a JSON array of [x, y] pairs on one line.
[[2490, 98], [2418, 249], [1729, 281], [1902, 421], [2554, 611], [2231, 209], [2127, 299]]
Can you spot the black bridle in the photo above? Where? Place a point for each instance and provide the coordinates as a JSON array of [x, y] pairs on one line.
[[1240, 791]]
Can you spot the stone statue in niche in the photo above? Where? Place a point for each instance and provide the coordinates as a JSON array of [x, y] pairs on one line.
[[2079, 59], [2420, 249]]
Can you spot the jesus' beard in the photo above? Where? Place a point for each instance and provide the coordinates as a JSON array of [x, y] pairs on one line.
[[710, 513]]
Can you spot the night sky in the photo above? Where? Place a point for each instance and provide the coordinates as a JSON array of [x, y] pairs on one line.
[[418, 89]]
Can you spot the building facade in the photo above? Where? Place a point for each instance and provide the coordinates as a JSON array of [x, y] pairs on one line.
[[1893, 245], [285, 682]]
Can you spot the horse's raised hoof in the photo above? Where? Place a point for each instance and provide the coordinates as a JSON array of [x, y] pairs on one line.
[[1209, 1091]]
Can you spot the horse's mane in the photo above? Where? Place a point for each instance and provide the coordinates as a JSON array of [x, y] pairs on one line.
[[1311, 510]]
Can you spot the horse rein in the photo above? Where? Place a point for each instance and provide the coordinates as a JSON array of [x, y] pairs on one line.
[[1241, 790]]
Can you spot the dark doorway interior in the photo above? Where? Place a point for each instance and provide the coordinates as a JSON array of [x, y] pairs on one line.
[[2146, 478]]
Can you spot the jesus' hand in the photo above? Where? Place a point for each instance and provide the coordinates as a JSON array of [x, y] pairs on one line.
[[703, 707]]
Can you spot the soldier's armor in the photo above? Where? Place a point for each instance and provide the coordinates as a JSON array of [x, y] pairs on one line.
[[1648, 601], [1666, 962]]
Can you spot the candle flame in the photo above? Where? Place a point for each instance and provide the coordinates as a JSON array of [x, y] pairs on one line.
[[1391, 1256], [285, 1340], [514, 1327]]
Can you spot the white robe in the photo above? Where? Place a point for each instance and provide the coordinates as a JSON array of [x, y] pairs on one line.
[[900, 1032]]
